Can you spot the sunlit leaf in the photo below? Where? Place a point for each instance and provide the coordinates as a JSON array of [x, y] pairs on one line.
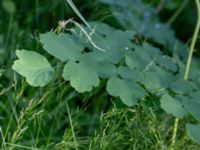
[[34, 67]]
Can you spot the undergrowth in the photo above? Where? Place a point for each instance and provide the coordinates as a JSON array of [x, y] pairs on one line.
[[113, 82]]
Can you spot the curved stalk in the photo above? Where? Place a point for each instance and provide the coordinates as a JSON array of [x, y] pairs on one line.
[[194, 39], [187, 69]]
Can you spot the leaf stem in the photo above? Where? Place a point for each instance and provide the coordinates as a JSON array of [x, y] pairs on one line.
[[187, 69]]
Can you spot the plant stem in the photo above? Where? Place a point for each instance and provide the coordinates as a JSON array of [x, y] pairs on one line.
[[178, 12], [72, 127], [175, 129], [187, 69], [194, 39]]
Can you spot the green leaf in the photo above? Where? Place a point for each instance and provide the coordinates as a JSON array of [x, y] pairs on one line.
[[172, 106], [104, 70], [130, 74], [157, 78], [102, 28], [61, 46], [128, 91], [134, 61], [98, 62], [167, 63], [142, 18], [195, 71], [142, 57], [192, 104], [115, 43], [193, 131], [181, 87], [81, 76], [115, 46], [152, 51], [152, 81], [34, 67]]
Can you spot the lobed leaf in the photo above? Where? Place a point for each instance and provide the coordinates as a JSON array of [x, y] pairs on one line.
[[34, 67], [99, 63], [181, 87], [172, 106], [130, 74], [167, 63], [129, 92], [193, 131], [61, 46], [192, 104], [81, 76]]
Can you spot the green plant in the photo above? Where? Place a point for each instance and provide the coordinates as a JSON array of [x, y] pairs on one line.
[[135, 63], [132, 71]]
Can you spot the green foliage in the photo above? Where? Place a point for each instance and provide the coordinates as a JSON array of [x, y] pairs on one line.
[[81, 76], [192, 104], [194, 131], [132, 71], [34, 67], [124, 97], [60, 46], [128, 91], [167, 63], [84, 74], [172, 106], [142, 19], [181, 87]]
